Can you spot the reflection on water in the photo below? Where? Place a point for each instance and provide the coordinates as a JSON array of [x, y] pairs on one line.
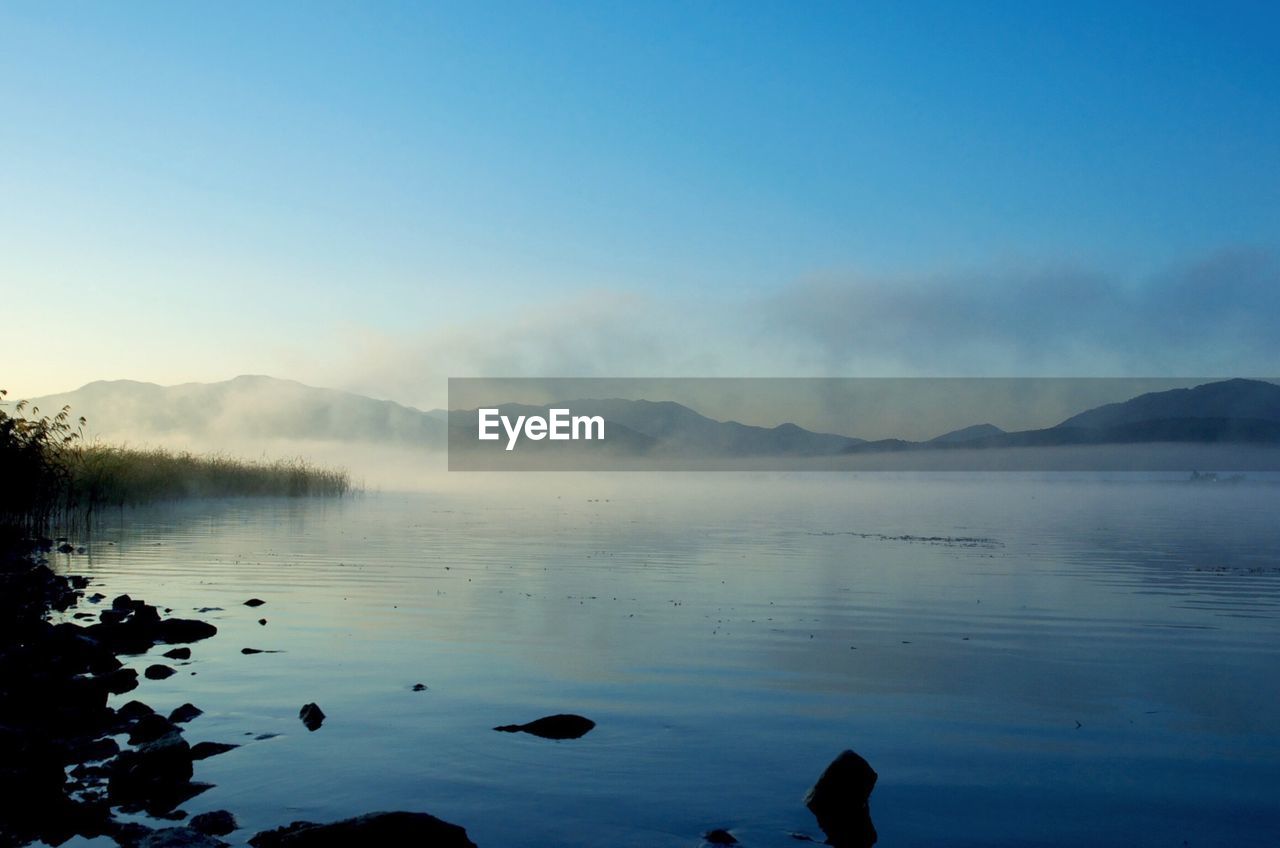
[[1024, 663]]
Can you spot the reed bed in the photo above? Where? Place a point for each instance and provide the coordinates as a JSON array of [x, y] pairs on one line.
[[48, 473]]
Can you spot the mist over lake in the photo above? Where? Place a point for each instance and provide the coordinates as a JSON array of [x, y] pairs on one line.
[[1049, 660]]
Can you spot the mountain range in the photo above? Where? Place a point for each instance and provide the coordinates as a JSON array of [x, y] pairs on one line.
[[251, 408]]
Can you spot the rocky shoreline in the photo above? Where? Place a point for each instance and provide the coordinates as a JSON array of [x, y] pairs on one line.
[[62, 771], [64, 774]]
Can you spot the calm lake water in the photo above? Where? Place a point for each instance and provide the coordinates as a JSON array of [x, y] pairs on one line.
[[1024, 662]]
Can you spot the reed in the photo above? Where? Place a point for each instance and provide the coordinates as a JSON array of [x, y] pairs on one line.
[[49, 473]]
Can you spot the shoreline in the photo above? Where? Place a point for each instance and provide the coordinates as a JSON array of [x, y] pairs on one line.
[[61, 769], [63, 772]]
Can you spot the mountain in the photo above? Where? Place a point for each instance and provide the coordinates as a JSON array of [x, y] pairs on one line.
[[967, 434], [1229, 411], [243, 409], [1235, 400], [248, 413], [672, 429], [679, 429]]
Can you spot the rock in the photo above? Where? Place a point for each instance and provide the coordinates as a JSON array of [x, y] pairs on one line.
[[720, 836], [122, 602], [134, 710], [562, 726], [98, 749], [178, 654], [312, 716], [251, 651], [205, 750], [215, 823], [371, 829], [263, 622], [175, 631], [156, 771], [113, 616], [65, 548], [419, 687], [254, 602], [179, 837], [120, 681], [151, 727], [839, 800], [185, 713], [158, 672]]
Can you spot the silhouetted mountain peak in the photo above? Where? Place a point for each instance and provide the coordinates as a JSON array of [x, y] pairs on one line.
[[1236, 399]]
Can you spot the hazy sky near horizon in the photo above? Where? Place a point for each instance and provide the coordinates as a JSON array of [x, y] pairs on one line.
[[378, 196]]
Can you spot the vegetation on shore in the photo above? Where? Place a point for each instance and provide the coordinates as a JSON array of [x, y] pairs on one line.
[[50, 472]]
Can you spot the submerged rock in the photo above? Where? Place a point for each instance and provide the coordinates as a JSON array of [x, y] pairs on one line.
[[839, 800], [371, 829], [560, 726], [720, 836], [419, 687], [205, 750], [312, 716]]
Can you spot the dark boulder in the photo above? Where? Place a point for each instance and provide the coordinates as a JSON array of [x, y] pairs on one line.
[[312, 716], [178, 654], [205, 750], [133, 711], [215, 823], [562, 726], [254, 602], [720, 836], [120, 681], [179, 837], [185, 713], [839, 800], [370, 829], [149, 728], [158, 672], [156, 771], [175, 631]]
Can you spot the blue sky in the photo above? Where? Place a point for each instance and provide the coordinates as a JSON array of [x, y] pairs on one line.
[[188, 191]]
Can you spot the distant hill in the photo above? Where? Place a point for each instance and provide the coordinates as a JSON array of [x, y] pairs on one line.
[[679, 429], [968, 434], [669, 428], [241, 409], [1237, 400], [244, 413]]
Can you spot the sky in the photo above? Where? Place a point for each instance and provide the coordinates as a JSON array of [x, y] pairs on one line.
[[377, 196]]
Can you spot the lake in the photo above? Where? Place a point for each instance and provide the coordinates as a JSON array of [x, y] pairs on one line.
[[1025, 661]]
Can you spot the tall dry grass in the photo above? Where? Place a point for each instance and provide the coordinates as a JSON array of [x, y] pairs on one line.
[[48, 473]]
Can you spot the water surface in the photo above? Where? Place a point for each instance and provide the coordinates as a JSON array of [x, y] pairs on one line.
[[1024, 662]]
